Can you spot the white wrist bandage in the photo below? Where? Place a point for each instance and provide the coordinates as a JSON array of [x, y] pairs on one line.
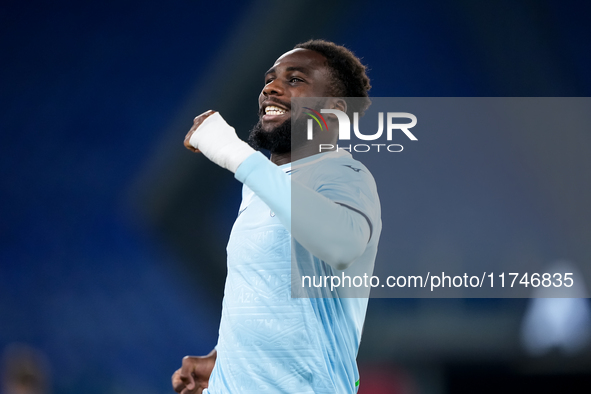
[[218, 141]]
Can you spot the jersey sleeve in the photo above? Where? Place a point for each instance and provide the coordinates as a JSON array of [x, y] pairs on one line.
[[350, 184], [328, 222]]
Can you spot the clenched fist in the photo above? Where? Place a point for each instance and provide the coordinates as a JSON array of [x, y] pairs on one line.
[[196, 123], [193, 376], [217, 140]]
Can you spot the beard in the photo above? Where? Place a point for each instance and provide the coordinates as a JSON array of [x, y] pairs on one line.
[[279, 139]]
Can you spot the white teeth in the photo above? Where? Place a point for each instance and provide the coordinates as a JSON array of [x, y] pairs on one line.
[[273, 110]]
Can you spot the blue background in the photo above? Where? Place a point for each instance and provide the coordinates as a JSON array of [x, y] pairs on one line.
[[96, 99]]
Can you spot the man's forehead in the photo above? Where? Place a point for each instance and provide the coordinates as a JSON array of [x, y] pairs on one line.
[[301, 57]]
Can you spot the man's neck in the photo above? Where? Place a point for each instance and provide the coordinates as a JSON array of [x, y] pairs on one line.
[[281, 158], [295, 154]]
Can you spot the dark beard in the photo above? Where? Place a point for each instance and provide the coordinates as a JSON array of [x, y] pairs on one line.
[[277, 140], [280, 139]]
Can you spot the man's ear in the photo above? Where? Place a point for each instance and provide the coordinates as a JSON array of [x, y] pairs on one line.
[[334, 103], [341, 105], [337, 103]]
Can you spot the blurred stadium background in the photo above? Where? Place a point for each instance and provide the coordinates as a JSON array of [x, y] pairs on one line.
[[112, 235]]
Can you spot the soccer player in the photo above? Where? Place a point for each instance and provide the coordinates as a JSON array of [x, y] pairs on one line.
[[268, 341]]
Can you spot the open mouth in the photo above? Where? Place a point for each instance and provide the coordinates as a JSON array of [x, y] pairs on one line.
[[274, 112]]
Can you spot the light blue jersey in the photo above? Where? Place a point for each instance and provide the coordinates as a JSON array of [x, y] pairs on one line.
[[268, 341]]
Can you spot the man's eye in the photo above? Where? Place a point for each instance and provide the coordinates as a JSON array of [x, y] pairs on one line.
[[268, 81], [294, 79]]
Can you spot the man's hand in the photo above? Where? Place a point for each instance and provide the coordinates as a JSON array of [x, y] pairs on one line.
[[196, 123], [194, 374], [217, 140]]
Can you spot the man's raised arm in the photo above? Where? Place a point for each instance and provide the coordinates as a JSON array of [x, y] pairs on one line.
[[334, 233]]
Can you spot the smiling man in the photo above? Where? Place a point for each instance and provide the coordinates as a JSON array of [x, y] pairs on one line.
[[268, 341]]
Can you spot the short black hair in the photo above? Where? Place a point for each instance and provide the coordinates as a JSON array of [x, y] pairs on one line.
[[348, 73]]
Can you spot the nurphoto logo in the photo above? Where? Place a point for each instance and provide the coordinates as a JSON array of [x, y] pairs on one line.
[[345, 130]]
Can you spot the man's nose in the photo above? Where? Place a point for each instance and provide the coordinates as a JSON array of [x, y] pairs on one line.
[[273, 88]]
